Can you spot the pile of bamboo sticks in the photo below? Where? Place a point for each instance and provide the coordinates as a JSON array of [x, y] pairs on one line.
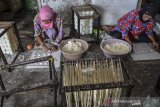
[[92, 72]]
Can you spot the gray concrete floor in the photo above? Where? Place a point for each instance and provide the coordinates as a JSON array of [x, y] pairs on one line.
[[145, 73]]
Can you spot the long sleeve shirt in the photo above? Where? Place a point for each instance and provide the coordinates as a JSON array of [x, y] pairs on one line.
[[57, 25], [131, 24]]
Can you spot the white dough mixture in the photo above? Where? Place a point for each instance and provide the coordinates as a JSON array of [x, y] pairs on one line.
[[117, 48], [72, 47]]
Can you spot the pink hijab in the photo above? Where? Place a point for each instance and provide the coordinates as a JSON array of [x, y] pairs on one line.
[[46, 13]]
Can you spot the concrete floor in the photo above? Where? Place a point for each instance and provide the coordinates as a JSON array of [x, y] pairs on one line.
[[145, 73]]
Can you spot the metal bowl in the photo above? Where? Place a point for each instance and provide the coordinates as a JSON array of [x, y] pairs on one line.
[[113, 55], [74, 56]]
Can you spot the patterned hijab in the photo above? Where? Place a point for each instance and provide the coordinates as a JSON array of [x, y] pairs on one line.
[[149, 9], [46, 13]]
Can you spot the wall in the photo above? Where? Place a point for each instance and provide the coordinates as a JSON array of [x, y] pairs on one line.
[[63, 7], [111, 10]]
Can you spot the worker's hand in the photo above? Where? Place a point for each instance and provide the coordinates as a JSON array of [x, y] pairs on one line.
[[44, 47], [54, 47], [136, 37], [128, 40], [155, 45], [107, 28]]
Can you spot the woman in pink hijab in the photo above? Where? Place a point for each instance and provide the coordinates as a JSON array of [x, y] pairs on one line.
[[47, 24]]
